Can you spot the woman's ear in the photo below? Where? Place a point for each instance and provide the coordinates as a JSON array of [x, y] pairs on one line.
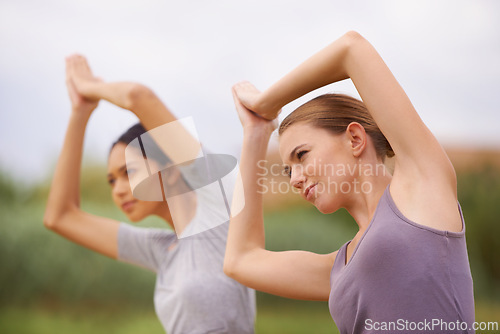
[[356, 135]]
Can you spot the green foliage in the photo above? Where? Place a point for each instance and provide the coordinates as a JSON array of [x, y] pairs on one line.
[[7, 189], [50, 320], [479, 196], [94, 187], [97, 320], [306, 228], [123, 320]]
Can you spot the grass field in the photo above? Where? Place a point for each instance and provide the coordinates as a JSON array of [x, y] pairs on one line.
[[97, 320], [110, 320]]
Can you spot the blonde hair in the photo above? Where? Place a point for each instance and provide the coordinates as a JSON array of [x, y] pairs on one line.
[[334, 112]]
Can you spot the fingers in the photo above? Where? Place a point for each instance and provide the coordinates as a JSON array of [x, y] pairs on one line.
[[77, 65], [81, 66], [234, 90], [69, 71], [240, 107], [70, 66], [66, 60], [236, 99], [245, 87]]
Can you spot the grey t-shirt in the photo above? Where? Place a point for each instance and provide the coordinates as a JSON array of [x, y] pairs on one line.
[[192, 294], [403, 277]]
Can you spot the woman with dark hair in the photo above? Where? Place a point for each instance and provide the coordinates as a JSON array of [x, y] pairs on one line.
[[192, 294], [407, 268]]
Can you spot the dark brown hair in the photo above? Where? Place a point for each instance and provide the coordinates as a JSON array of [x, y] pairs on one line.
[[334, 112], [150, 146]]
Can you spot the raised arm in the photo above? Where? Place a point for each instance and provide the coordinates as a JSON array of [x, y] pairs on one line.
[[144, 103], [63, 214], [351, 56], [424, 181], [292, 274]]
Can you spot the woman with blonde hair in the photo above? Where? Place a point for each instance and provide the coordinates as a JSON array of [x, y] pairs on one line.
[[407, 266]]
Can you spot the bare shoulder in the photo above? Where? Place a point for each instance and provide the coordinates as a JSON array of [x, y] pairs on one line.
[[331, 257], [426, 199]]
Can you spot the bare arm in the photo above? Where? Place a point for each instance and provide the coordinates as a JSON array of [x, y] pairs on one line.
[[178, 143], [424, 181], [292, 274], [63, 214], [351, 56]]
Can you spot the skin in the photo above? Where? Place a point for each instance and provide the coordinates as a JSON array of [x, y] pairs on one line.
[[118, 179], [309, 163], [423, 184], [63, 214], [122, 172]]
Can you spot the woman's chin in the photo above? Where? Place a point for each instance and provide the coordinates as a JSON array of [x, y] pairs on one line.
[[326, 208], [325, 211], [134, 218]]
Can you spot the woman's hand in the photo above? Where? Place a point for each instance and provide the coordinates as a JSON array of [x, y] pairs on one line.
[[79, 102], [249, 119], [252, 99]]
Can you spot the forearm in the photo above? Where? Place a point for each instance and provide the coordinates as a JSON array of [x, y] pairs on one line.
[[176, 142], [323, 68], [65, 189], [246, 231], [128, 95], [352, 56]]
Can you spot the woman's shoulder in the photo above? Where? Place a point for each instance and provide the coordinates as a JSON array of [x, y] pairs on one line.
[[426, 204], [151, 233]]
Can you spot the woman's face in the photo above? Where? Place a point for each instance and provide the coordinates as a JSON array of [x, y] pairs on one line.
[[118, 178], [318, 163]]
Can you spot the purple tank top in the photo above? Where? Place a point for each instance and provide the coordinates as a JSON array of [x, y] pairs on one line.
[[403, 277]]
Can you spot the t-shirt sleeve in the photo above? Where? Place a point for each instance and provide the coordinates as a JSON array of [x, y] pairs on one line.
[[144, 247]]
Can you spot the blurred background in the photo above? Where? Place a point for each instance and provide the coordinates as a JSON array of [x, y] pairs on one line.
[[444, 53]]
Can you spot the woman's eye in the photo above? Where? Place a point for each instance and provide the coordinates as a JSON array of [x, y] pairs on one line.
[[111, 181], [300, 154], [287, 171]]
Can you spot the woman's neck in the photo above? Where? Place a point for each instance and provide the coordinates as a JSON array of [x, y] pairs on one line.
[[362, 204]]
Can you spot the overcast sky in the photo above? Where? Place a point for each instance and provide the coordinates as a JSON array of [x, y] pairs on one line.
[[445, 53]]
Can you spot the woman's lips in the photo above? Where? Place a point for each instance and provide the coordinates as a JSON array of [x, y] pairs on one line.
[[309, 193], [127, 206]]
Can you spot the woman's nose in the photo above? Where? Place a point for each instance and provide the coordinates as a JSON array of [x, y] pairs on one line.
[[121, 187], [297, 178]]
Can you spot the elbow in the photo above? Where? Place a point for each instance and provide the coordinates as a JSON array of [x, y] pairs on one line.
[[236, 265], [353, 35], [353, 38], [137, 94], [50, 220], [229, 267], [53, 217], [232, 267]]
